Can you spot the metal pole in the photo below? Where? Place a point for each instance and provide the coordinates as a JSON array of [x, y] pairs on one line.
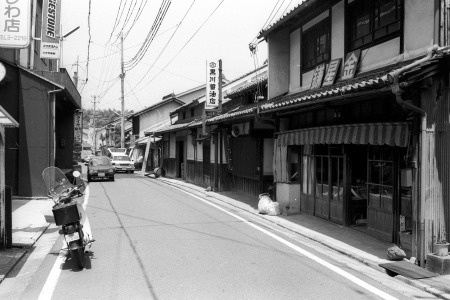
[[122, 78]]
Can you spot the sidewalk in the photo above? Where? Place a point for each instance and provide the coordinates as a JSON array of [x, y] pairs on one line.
[[29, 224]]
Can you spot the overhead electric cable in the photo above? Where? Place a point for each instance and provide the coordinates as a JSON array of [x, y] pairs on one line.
[[142, 51], [165, 46], [267, 21], [157, 22], [136, 18], [127, 18], [116, 22], [183, 45]]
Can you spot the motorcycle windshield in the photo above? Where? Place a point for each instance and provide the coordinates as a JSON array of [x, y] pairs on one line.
[[55, 180]]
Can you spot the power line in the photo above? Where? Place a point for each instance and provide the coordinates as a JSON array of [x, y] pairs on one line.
[[150, 36], [136, 18], [183, 46], [117, 21], [165, 46]]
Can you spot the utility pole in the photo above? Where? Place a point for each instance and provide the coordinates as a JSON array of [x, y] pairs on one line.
[[95, 129], [122, 78], [75, 76]]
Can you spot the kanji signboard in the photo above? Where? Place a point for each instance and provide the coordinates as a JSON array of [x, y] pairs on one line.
[[50, 34], [15, 23], [333, 68], [212, 84], [351, 64], [78, 128], [318, 73]]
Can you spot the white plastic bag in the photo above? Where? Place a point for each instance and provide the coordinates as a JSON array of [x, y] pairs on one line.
[[274, 209], [264, 203]]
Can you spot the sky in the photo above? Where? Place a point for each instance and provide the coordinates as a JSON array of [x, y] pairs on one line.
[[190, 33]]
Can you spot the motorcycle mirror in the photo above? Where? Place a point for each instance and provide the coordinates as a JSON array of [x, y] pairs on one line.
[[76, 174]]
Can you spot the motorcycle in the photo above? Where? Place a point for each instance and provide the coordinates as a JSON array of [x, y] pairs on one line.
[[67, 212]]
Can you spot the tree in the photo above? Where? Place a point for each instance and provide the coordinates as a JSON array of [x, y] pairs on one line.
[[103, 117]]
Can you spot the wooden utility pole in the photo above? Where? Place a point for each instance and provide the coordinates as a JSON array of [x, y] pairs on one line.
[[122, 79]]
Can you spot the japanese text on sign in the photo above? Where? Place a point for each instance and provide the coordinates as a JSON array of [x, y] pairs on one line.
[[351, 64], [77, 128], [212, 85], [15, 23], [318, 76], [332, 70]]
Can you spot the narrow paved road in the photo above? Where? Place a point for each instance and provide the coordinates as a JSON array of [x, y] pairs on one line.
[[156, 242]]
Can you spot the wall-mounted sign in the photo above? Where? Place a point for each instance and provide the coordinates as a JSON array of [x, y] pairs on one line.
[[15, 23], [50, 33], [351, 64], [318, 73], [212, 84], [333, 68], [77, 135], [78, 128]]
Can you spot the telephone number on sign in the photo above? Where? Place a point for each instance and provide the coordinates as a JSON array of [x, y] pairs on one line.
[[13, 37]]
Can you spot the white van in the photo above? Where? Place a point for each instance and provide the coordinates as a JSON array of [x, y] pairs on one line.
[[122, 162]]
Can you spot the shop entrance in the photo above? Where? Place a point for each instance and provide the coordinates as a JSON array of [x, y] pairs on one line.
[[371, 197]]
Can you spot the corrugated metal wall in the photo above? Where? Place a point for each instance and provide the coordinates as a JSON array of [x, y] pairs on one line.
[[436, 167]]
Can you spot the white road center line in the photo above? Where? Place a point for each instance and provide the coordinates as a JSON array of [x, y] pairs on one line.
[[311, 256], [53, 276]]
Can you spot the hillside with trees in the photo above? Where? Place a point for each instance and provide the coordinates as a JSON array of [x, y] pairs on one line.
[[102, 116]]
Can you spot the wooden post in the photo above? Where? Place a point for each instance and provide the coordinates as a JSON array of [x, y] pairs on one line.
[[147, 151]]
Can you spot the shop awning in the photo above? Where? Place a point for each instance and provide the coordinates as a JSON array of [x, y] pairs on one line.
[[6, 120], [143, 140], [392, 134]]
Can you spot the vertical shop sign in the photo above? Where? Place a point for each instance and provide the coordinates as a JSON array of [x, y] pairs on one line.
[[77, 135], [332, 70], [318, 73], [212, 85], [351, 64], [15, 23], [50, 34]]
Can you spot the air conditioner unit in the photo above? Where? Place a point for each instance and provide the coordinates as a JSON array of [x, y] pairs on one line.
[[240, 129]]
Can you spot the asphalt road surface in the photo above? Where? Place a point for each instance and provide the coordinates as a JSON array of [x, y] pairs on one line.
[[154, 241]]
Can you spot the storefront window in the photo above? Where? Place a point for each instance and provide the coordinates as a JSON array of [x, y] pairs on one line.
[[322, 185], [294, 167], [307, 170], [381, 178], [337, 174]]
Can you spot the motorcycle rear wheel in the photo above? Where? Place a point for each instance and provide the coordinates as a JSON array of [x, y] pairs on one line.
[[78, 255]]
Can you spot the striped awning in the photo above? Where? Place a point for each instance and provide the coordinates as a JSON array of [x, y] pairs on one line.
[[392, 134]]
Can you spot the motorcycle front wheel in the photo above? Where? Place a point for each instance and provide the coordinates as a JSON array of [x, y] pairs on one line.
[[78, 255]]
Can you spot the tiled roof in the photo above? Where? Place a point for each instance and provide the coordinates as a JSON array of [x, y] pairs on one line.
[[235, 113], [249, 86], [179, 126], [374, 81]]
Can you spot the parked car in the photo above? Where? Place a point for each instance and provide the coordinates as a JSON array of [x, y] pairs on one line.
[[122, 162], [100, 167]]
